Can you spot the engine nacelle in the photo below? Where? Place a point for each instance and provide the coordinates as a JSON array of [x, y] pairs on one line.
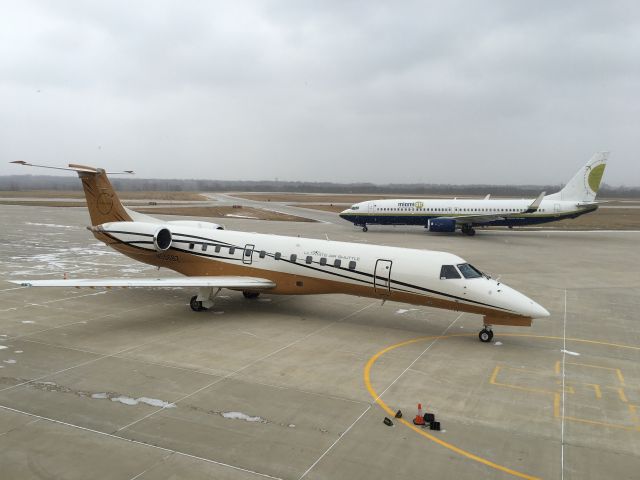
[[196, 224], [442, 225], [162, 239]]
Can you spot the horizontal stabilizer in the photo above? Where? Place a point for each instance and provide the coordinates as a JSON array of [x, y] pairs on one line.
[[72, 168], [214, 281]]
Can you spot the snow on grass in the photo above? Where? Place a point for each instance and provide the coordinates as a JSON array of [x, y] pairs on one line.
[[243, 416], [28, 321], [10, 361], [2, 347]]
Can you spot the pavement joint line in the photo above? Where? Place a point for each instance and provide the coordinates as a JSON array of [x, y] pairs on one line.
[[253, 362], [88, 362], [152, 466], [340, 437], [42, 304], [371, 403], [201, 372], [419, 356], [564, 355], [139, 442]]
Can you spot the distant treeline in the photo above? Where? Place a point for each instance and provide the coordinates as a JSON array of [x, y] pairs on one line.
[[45, 182]]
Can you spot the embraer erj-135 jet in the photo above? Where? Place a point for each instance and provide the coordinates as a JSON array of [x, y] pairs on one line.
[[212, 258], [446, 215]]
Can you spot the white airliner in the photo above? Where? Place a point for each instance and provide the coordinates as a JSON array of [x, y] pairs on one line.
[[446, 215], [211, 258]]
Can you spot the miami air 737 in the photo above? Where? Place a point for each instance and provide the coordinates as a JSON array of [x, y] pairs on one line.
[[210, 258], [446, 215]]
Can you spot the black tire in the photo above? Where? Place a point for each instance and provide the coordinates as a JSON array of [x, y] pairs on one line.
[[471, 232], [195, 305], [365, 229], [250, 295], [485, 335]]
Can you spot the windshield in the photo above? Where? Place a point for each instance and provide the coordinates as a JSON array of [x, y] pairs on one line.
[[469, 271], [448, 271], [355, 207]]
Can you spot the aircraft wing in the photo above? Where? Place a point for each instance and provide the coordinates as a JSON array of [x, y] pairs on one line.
[[247, 283], [486, 218]]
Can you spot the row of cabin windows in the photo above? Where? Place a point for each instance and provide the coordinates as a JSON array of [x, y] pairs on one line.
[[308, 260], [449, 209]]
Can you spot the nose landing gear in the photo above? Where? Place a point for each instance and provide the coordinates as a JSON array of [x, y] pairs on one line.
[[486, 334]]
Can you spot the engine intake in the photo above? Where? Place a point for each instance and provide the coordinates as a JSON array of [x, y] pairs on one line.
[[442, 225], [162, 239]]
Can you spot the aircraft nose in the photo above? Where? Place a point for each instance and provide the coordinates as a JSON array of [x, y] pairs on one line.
[[528, 308]]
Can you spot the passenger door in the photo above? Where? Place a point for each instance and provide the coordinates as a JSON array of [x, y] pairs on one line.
[[382, 277], [247, 255]]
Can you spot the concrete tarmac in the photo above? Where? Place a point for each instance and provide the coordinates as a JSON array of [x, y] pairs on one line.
[[124, 384]]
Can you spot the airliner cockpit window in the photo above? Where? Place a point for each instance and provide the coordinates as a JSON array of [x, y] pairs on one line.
[[469, 271], [355, 207], [448, 271]]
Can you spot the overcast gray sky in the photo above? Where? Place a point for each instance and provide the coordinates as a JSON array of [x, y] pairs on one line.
[[376, 91]]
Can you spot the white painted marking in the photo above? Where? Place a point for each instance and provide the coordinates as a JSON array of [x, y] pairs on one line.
[[564, 350], [569, 352]]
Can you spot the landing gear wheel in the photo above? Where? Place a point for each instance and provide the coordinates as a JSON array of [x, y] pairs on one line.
[[485, 335], [250, 295], [468, 231], [364, 228], [195, 305]]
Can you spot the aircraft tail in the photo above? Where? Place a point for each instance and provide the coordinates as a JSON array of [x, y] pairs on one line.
[[584, 185], [102, 201]]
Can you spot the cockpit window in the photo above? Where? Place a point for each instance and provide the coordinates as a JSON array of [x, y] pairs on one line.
[[448, 271], [469, 271], [355, 207]]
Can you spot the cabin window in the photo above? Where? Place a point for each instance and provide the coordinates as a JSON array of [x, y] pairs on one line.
[[337, 263], [293, 257], [469, 271], [232, 250], [323, 261], [352, 265], [204, 247], [191, 246], [448, 271], [217, 249], [262, 254], [308, 260], [277, 256]]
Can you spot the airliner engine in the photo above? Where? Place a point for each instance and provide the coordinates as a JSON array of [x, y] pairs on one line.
[[442, 225]]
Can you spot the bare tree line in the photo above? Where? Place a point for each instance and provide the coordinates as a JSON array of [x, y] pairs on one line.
[[47, 182]]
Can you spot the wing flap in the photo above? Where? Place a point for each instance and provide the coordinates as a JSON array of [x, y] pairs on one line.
[[252, 283]]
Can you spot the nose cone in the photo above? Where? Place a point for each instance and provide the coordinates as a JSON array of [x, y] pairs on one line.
[[526, 307]]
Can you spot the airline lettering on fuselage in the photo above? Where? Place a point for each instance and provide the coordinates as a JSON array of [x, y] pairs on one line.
[[411, 204], [318, 253]]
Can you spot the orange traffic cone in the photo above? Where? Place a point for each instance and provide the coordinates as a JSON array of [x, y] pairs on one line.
[[419, 420]]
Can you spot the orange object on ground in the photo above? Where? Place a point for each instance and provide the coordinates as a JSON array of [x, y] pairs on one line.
[[419, 420]]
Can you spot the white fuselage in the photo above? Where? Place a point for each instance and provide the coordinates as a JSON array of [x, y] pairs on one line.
[[304, 266]]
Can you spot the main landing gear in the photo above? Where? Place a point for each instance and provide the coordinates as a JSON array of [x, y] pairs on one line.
[[486, 334], [204, 300], [468, 230], [364, 228]]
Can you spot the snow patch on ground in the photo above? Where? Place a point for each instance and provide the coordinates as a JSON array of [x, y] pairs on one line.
[[2, 347], [53, 225], [239, 216], [28, 321], [243, 416], [400, 311], [11, 360], [99, 395], [17, 351], [568, 352], [154, 402], [497, 343]]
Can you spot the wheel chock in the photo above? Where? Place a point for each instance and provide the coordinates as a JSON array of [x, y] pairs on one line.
[[435, 426], [429, 417], [388, 422], [399, 414]]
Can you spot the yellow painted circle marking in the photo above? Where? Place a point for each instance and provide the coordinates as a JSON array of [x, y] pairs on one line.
[[433, 438]]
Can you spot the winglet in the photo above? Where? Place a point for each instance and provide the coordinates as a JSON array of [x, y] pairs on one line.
[[535, 204]]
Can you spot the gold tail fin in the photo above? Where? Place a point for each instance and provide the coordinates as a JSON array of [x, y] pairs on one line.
[[102, 201]]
